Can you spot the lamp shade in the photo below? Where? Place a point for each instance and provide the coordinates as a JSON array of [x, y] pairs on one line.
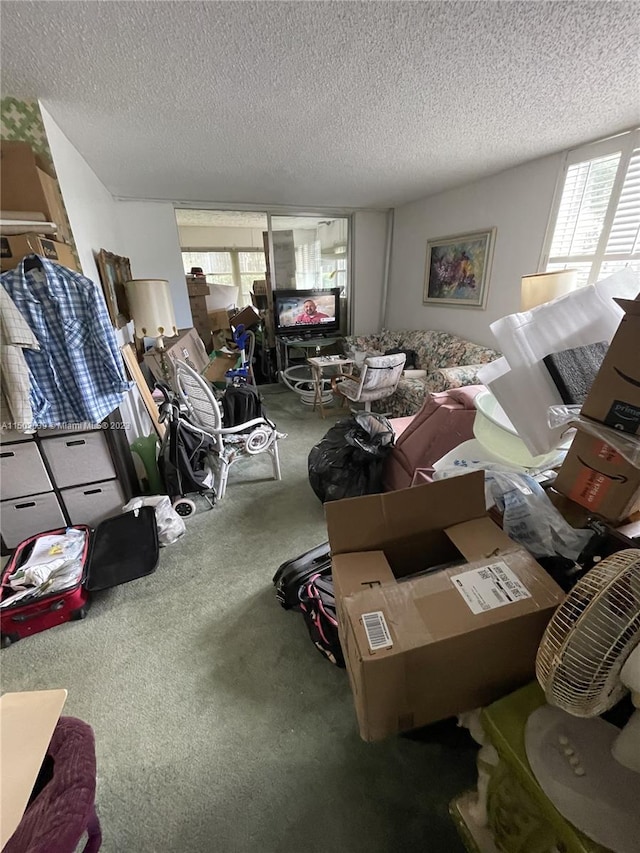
[[545, 286], [151, 307]]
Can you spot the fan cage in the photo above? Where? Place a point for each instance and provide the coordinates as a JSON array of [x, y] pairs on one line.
[[590, 636]]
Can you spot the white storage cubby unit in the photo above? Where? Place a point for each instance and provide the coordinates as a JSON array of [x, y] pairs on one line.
[[58, 477]]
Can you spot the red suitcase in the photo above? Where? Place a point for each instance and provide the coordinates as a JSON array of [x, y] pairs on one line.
[[120, 549]]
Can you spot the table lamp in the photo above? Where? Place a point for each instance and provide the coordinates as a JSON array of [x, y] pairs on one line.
[[545, 286], [151, 309]]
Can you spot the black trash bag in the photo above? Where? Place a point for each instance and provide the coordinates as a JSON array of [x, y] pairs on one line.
[[348, 461]]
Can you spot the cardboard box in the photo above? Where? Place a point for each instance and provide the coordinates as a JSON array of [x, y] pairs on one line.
[[220, 328], [595, 475], [220, 321], [27, 182], [197, 286], [424, 648], [218, 366], [27, 723], [200, 319], [248, 317], [198, 307], [614, 398], [13, 250], [186, 346]]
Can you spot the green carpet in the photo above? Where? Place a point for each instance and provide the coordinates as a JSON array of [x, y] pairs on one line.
[[219, 727]]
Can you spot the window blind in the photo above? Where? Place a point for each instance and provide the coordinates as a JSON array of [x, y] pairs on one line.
[[597, 223]]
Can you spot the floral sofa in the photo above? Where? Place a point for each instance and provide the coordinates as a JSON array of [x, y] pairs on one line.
[[449, 361]]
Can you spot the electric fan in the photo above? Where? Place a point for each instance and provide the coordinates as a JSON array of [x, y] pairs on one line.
[[586, 663]]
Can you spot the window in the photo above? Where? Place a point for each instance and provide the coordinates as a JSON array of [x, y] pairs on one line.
[[251, 266], [239, 267], [595, 221]]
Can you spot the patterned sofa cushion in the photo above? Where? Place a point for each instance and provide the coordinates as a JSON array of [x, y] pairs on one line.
[[450, 362]]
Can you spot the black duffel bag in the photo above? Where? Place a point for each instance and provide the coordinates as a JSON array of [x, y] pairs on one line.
[[411, 361]]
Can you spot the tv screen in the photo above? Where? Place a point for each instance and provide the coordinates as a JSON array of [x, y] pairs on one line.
[[307, 312]]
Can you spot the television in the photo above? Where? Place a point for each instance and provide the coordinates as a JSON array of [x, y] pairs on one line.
[[307, 313]]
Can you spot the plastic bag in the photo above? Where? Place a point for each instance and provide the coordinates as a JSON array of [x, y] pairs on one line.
[[348, 461], [170, 525], [627, 444], [530, 518]]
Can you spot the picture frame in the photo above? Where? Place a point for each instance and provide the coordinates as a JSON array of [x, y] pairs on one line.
[[458, 269], [114, 271]]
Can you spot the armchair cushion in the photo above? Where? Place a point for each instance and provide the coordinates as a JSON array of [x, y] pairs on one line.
[[444, 421]]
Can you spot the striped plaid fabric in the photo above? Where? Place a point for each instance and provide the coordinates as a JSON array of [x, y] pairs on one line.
[[77, 375]]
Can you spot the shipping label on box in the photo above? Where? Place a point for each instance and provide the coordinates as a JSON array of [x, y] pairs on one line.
[[491, 586], [614, 398]]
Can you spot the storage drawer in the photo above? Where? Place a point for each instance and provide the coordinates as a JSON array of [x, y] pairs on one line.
[[24, 517], [22, 470], [77, 459], [92, 504], [9, 436]]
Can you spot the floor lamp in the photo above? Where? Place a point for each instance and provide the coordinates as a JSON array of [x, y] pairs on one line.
[[151, 309]]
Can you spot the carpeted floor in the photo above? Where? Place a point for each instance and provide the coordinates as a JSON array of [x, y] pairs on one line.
[[219, 727]]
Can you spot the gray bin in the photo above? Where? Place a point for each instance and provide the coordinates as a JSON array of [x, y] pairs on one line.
[[22, 470], [93, 503], [25, 517], [76, 459]]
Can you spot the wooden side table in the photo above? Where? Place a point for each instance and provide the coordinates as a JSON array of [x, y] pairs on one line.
[[318, 364], [510, 812]]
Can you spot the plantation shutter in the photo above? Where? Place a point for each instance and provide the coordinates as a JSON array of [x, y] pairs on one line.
[[597, 227]]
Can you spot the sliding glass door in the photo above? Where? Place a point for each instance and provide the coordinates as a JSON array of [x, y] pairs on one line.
[[312, 253]]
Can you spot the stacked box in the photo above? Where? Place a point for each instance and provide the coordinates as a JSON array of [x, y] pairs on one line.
[[597, 472]]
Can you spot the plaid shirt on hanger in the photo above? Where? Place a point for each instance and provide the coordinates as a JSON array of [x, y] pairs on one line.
[[78, 374]]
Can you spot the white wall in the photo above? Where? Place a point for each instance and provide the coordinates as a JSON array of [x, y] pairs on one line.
[[369, 236], [145, 232], [150, 236], [147, 235], [90, 206], [517, 202]]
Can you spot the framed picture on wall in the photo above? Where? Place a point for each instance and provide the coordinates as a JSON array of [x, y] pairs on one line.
[[114, 271], [458, 269]]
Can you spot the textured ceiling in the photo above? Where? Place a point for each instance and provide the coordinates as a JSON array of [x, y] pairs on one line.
[[342, 104]]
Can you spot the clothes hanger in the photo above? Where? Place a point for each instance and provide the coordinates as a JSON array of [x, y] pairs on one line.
[[31, 262]]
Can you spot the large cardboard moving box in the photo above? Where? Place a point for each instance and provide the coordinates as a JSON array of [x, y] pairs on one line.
[[420, 649], [14, 248], [27, 183], [186, 346], [595, 475], [614, 398]]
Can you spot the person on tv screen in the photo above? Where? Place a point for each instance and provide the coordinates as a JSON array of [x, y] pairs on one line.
[[310, 314]]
